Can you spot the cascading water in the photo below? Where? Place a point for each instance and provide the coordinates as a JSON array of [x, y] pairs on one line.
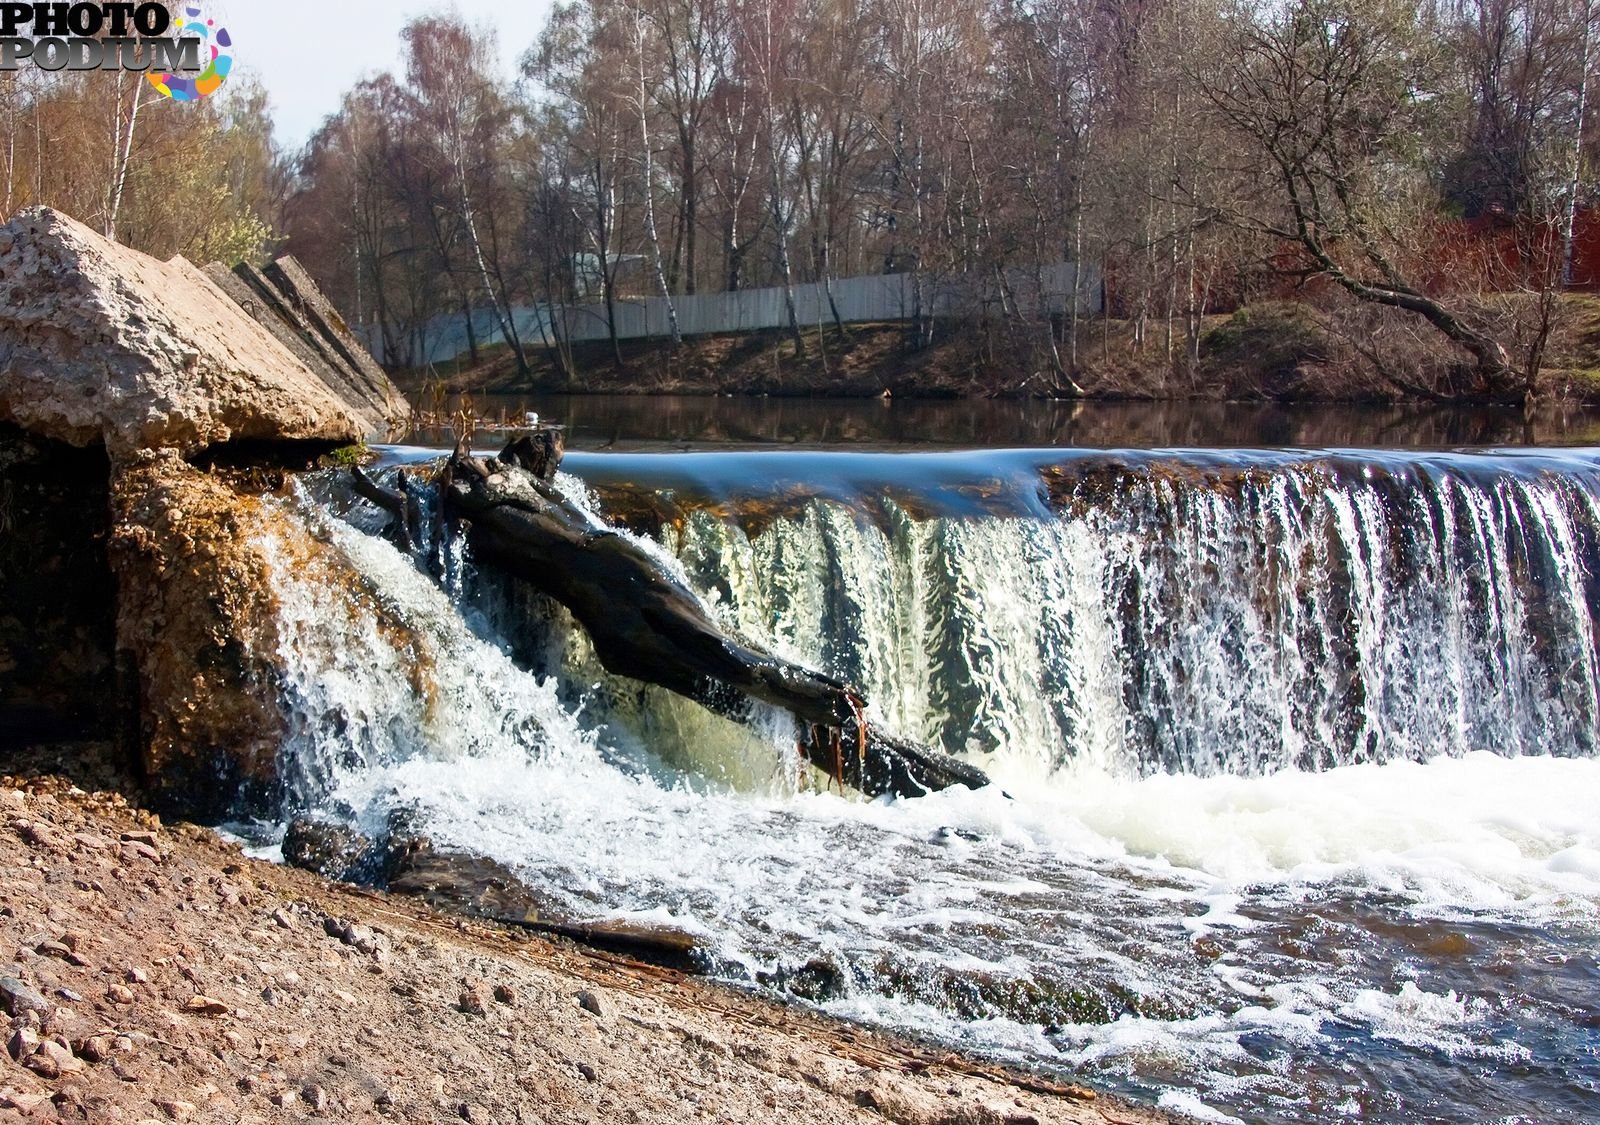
[[1304, 816], [1193, 615]]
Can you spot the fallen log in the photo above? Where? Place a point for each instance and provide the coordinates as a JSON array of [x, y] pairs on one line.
[[646, 625], [405, 511], [476, 885]]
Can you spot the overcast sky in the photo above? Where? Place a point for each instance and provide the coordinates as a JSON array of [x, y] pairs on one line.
[[309, 52]]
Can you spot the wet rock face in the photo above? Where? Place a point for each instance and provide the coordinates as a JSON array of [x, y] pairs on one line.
[[200, 568], [331, 850], [99, 343], [196, 616]]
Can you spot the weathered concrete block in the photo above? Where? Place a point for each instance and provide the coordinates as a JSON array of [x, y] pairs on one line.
[[295, 311], [100, 343], [313, 310]]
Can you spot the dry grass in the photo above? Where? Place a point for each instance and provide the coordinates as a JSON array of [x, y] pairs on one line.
[[1573, 360]]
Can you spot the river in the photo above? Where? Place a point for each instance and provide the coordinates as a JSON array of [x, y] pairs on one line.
[[642, 423], [1293, 719]]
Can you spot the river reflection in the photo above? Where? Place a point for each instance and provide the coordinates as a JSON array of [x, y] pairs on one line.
[[663, 422]]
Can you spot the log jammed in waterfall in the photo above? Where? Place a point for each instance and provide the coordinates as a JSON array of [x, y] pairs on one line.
[[646, 625], [402, 504]]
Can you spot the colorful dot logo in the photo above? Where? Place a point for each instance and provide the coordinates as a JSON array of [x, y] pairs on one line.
[[214, 39]]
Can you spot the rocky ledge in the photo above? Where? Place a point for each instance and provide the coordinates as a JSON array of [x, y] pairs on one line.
[[156, 974]]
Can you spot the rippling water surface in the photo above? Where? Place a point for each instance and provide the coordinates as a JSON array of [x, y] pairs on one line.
[[639, 423]]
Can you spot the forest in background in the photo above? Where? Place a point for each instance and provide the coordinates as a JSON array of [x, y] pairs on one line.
[[1412, 175], [203, 179]]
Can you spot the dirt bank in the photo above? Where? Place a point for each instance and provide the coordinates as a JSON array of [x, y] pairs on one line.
[[1276, 351], [155, 974]]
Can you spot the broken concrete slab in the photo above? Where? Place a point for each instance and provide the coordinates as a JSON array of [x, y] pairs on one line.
[[293, 318], [102, 344], [302, 295]]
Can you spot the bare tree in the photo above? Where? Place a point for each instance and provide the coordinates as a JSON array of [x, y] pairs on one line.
[[642, 100], [1330, 91], [765, 30], [456, 107], [691, 33], [574, 61]]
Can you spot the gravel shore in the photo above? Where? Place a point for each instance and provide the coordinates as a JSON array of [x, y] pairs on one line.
[[153, 973]]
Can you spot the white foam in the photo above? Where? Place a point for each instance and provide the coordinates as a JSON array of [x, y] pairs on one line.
[[1182, 1101], [1418, 1018], [1519, 835]]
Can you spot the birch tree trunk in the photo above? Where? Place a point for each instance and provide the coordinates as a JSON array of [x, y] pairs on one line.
[[502, 310], [1575, 182], [124, 155], [647, 161], [775, 161], [784, 269]]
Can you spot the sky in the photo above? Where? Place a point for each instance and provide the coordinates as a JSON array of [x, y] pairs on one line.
[[307, 53]]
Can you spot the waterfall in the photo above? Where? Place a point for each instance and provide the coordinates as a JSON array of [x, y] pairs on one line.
[[1140, 613], [381, 668], [1278, 736]]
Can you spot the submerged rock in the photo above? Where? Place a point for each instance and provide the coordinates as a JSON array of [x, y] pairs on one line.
[[331, 850], [818, 980], [477, 885], [102, 344]]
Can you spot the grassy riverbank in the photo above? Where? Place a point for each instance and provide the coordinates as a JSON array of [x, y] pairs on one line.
[[1273, 351]]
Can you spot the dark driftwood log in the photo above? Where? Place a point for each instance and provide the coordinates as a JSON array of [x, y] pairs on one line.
[[647, 626], [539, 452], [405, 526]]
